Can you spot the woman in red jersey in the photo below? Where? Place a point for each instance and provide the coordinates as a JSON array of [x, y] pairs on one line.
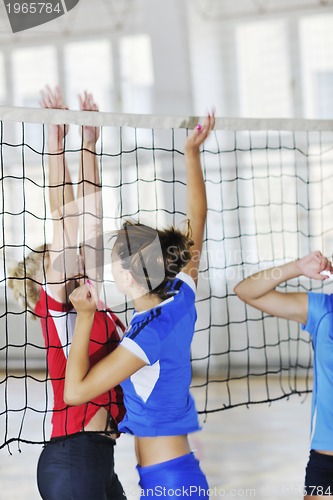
[[78, 462]]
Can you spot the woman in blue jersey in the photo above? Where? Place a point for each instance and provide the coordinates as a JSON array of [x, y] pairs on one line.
[[158, 270], [315, 313]]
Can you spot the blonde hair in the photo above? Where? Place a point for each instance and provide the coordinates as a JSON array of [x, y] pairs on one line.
[[25, 278]]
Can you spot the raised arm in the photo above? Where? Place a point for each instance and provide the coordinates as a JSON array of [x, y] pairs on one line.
[[60, 186], [259, 290], [62, 205], [89, 198], [196, 192]]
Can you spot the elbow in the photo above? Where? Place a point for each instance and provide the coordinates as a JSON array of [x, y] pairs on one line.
[[72, 397], [245, 293], [240, 292]]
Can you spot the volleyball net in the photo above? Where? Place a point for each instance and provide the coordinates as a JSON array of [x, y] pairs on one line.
[[270, 194]]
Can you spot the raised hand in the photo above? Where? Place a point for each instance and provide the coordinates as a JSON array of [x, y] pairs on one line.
[[87, 103], [52, 99], [199, 134], [84, 299], [314, 264], [196, 209]]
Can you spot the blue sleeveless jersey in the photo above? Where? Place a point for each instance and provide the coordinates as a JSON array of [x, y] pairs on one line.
[[320, 326], [157, 397]]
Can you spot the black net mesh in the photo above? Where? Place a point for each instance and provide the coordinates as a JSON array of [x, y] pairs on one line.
[[269, 201]]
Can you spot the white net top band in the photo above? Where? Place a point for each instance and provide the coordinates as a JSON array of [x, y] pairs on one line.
[[59, 116]]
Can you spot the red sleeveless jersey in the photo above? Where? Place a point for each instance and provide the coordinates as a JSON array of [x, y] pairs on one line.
[[58, 322]]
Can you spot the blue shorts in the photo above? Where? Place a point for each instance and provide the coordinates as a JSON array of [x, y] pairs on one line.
[[180, 477], [79, 467], [319, 474]]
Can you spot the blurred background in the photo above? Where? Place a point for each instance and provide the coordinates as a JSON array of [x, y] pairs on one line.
[[249, 58]]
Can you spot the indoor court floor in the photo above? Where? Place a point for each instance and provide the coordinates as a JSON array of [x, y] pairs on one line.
[[255, 452]]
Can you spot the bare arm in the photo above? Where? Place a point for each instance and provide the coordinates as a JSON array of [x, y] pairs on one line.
[[259, 291], [196, 192], [62, 204], [60, 186], [83, 383], [89, 198]]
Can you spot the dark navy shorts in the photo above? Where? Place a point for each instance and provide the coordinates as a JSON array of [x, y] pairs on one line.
[[79, 467], [319, 475], [177, 478]]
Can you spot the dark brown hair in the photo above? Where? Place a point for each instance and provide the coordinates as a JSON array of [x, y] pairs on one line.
[[153, 256]]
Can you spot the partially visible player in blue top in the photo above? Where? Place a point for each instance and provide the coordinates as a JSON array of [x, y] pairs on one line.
[[315, 313], [158, 270]]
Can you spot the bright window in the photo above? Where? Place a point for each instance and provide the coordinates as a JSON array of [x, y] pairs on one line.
[[89, 66], [137, 76], [316, 39], [263, 67], [33, 68]]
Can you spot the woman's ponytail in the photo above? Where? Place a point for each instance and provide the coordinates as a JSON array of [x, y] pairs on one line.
[[153, 256]]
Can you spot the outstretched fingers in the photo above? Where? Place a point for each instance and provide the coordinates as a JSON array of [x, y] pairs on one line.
[[201, 131], [207, 126], [87, 102], [51, 98]]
